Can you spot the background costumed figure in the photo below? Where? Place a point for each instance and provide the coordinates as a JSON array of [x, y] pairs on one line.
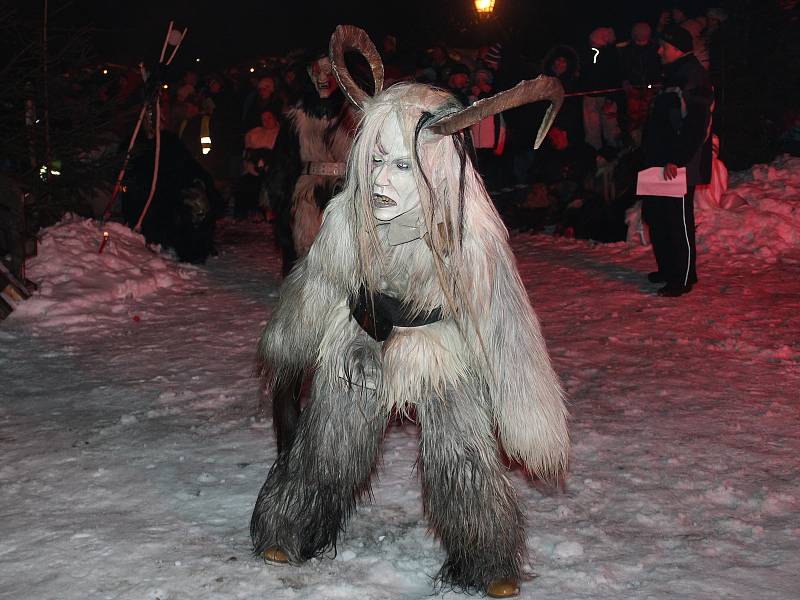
[[410, 298], [309, 161]]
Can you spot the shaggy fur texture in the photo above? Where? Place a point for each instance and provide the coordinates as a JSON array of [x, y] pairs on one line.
[[483, 367], [314, 130], [321, 139], [312, 489], [468, 499]]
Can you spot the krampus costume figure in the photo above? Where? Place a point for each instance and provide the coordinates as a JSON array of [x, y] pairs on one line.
[[186, 205], [310, 157], [409, 297]]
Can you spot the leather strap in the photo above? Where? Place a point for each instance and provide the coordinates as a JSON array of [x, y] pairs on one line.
[[326, 169]]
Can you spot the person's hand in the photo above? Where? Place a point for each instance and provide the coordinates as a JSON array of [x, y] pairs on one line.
[[670, 171]]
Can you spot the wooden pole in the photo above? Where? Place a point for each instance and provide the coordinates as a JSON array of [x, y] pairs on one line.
[[45, 91]]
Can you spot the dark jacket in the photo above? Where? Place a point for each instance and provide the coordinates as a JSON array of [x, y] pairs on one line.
[[640, 64], [600, 69], [677, 129]]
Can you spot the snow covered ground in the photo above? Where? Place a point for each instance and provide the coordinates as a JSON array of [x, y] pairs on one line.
[[130, 455]]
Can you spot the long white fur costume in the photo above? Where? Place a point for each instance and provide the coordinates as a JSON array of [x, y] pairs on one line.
[[484, 366]]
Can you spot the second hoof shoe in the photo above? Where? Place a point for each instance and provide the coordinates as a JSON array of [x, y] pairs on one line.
[[503, 588], [275, 555]]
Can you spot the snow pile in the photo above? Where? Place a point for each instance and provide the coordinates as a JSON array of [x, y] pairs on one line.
[[763, 218], [78, 284]]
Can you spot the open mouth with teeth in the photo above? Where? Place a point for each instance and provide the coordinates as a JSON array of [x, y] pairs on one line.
[[381, 201]]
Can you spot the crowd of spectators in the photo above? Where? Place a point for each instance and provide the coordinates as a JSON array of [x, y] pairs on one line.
[[579, 183]]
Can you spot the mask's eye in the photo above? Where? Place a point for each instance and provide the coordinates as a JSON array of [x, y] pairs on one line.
[[377, 159], [403, 164]]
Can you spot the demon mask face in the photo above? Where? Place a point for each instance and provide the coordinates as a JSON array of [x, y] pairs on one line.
[[322, 75], [394, 188]]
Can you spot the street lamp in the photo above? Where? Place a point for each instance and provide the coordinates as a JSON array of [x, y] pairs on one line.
[[484, 8]]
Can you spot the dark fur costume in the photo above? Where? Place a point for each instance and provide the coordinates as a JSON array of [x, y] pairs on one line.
[[185, 206], [315, 129]]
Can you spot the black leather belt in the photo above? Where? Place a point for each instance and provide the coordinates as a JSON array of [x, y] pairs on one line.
[[378, 314]]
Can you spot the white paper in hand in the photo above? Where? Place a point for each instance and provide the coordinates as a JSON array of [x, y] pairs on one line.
[[651, 182]]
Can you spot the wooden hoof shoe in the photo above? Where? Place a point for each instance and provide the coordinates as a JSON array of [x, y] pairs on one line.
[[503, 588], [275, 555]]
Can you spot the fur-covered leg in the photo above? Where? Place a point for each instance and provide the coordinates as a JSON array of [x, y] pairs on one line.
[[313, 487], [286, 409], [469, 501]]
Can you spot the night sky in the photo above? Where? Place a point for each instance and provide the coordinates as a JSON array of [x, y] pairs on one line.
[[223, 32]]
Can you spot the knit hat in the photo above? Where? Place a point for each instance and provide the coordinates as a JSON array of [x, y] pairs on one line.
[[678, 37]]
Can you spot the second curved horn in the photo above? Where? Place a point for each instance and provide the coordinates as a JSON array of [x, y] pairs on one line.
[[349, 37], [525, 92]]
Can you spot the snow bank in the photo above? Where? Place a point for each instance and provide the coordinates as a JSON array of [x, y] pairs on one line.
[[77, 284], [762, 217]]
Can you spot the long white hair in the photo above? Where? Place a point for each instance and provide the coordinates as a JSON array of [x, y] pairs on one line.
[[452, 197]]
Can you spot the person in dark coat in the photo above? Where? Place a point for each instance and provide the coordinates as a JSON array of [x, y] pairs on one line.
[[677, 134], [600, 72], [641, 73], [264, 97]]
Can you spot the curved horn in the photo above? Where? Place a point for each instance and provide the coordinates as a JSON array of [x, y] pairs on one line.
[[531, 90], [349, 37]]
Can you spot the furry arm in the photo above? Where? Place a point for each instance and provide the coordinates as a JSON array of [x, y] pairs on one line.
[[526, 397], [317, 285]]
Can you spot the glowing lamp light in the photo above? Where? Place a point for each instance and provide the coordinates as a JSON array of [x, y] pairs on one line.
[[484, 7], [165, 86], [596, 53], [44, 172], [196, 60], [105, 71], [252, 69]]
